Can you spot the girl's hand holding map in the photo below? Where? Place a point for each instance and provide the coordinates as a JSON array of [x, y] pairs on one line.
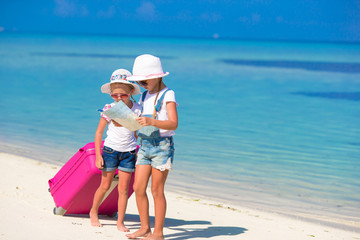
[[144, 121]]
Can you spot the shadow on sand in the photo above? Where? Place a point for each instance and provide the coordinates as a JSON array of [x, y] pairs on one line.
[[189, 232], [132, 221], [208, 232]]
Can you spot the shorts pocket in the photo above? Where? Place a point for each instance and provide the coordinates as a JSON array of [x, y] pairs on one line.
[[133, 152], [108, 150]]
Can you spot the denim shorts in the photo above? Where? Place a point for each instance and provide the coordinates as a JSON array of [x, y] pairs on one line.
[[157, 152], [124, 161]]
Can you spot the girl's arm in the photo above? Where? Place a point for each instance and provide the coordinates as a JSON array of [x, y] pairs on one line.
[[170, 124], [98, 140]]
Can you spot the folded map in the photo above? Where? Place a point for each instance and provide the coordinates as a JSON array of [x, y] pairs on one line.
[[123, 115]]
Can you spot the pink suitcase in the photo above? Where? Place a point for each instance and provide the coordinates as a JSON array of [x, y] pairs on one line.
[[73, 187]]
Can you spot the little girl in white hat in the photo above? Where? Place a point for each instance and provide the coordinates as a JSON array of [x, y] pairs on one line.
[[155, 157], [119, 151]]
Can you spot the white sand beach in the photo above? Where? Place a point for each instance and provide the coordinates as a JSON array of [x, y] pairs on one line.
[[26, 210]]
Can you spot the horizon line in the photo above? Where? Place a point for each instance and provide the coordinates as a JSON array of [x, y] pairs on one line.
[[184, 37]]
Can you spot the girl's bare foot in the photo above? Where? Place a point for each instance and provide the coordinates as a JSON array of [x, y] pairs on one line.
[[121, 227], [94, 219], [139, 233], [153, 237]]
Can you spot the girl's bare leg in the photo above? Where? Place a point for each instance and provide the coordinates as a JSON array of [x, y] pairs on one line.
[[106, 179], [157, 190], [123, 187], [142, 175]]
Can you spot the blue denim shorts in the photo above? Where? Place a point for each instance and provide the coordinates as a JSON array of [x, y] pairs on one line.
[[157, 152], [124, 161]]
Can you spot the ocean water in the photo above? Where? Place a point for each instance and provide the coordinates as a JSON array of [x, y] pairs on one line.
[[269, 125]]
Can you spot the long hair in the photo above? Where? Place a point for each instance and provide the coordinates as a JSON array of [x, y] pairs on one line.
[[159, 88]]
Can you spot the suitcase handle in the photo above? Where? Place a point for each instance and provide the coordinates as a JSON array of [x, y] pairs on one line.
[[51, 184], [93, 148]]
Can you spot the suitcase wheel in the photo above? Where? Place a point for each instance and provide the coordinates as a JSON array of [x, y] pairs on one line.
[[59, 211]]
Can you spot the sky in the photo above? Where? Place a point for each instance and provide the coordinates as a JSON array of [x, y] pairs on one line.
[[310, 20]]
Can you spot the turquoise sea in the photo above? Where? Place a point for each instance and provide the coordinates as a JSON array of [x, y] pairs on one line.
[[268, 125]]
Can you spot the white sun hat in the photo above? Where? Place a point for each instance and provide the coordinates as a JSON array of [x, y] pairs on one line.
[[147, 66], [120, 76]]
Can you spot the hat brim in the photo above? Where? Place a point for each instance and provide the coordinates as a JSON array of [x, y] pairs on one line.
[[138, 78], [106, 87]]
